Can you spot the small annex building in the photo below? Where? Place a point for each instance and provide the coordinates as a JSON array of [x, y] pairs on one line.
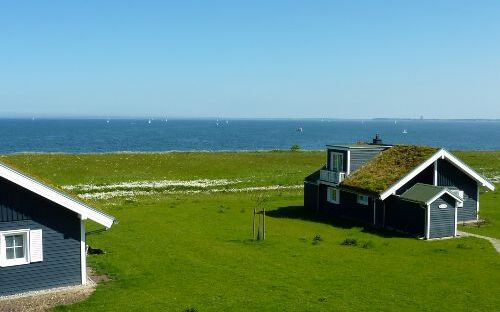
[[42, 235], [419, 190]]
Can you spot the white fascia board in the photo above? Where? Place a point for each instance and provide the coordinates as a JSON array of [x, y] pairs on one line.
[[441, 194], [55, 196], [468, 170], [439, 154], [391, 190]]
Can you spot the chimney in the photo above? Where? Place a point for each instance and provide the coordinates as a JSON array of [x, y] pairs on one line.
[[377, 140]]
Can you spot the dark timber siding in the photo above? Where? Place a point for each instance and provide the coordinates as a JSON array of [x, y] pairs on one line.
[[328, 160], [311, 196], [348, 206], [405, 216], [360, 156], [426, 177], [21, 209], [449, 175], [442, 219]]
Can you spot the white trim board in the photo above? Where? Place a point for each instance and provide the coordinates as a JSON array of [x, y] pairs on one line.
[[443, 154], [441, 194], [55, 196]]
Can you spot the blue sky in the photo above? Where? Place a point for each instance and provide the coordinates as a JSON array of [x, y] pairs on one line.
[[338, 59]]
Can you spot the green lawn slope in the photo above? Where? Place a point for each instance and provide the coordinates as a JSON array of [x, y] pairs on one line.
[[193, 252]]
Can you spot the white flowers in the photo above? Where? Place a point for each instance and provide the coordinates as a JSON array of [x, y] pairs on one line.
[[147, 188], [125, 193], [161, 184]]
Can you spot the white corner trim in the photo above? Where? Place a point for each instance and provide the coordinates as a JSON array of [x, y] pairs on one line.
[[439, 154], [83, 252], [456, 220], [348, 162], [435, 173], [428, 222], [477, 203], [55, 196]]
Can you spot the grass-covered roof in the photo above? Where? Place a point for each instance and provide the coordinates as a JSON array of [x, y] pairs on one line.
[[388, 167]]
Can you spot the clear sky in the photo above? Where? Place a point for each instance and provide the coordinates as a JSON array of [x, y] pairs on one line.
[[338, 59]]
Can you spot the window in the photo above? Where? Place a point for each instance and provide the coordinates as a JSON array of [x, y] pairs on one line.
[[333, 195], [14, 246], [337, 162], [459, 194], [363, 200], [20, 247]]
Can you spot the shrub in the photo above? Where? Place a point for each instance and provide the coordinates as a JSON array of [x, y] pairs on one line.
[[350, 242], [367, 245], [295, 148], [191, 309], [317, 238]]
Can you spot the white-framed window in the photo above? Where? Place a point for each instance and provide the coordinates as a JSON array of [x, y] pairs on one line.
[[362, 199], [337, 162], [20, 247], [333, 195], [459, 194]]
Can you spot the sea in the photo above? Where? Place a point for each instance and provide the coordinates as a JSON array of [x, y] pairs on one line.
[[156, 135]]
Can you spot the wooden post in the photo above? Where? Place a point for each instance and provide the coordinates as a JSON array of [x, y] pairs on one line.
[[259, 229], [264, 223], [253, 232]]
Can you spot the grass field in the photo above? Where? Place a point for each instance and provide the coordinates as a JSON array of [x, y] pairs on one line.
[[180, 246]]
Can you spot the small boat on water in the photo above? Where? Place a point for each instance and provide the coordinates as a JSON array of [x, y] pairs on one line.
[[149, 121], [405, 131], [299, 129]]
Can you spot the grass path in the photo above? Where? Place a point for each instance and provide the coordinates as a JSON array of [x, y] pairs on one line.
[[495, 242]]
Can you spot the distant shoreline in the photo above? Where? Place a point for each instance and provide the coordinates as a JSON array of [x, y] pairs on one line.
[[160, 118]]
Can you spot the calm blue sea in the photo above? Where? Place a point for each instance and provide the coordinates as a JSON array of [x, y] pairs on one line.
[[86, 136]]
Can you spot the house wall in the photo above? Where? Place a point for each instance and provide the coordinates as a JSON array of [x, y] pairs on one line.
[[360, 156], [442, 220], [22, 209], [449, 175], [405, 216], [348, 206], [426, 177], [311, 196]]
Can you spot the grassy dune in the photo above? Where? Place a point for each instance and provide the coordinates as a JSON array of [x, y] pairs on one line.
[[172, 252]]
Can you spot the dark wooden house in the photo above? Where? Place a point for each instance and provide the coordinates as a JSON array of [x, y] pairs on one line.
[[419, 190], [42, 235]]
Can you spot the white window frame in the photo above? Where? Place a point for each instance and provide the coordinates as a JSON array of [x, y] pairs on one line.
[[460, 194], [4, 262], [340, 160], [362, 199], [329, 196]]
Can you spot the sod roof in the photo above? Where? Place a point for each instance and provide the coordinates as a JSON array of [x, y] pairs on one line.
[[378, 174]]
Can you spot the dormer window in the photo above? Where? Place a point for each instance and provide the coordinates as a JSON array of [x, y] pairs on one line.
[[337, 162]]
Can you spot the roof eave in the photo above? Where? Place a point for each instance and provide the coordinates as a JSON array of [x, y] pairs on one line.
[[83, 210], [442, 153]]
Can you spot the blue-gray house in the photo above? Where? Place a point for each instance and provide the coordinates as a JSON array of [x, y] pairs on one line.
[[419, 190], [42, 235]]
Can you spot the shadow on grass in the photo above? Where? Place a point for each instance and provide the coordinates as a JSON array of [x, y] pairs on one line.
[[301, 213]]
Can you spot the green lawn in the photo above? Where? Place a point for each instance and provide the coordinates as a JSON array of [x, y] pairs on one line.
[[175, 251]]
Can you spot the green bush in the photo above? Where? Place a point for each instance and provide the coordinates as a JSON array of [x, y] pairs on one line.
[[295, 148], [350, 242], [367, 244]]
